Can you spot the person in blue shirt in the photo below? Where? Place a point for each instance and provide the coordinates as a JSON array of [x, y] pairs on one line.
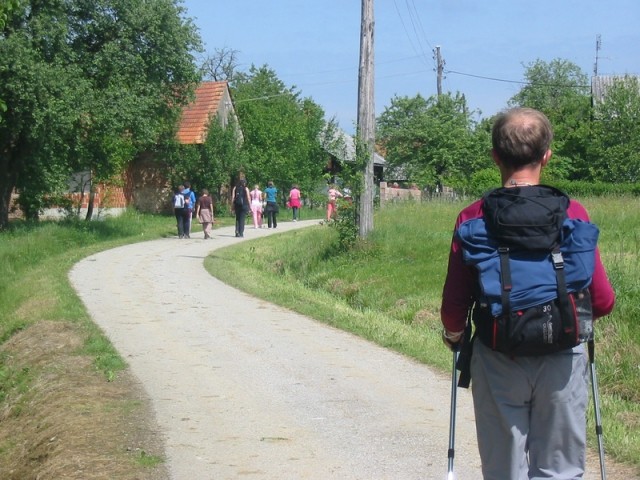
[[189, 206], [271, 209]]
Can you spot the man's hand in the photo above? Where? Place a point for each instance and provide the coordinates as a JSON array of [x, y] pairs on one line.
[[452, 339]]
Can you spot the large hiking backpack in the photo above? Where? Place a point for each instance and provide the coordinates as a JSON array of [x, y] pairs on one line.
[[239, 199], [189, 196], [534, 267]]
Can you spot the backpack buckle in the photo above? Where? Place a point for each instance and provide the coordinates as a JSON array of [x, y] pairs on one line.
[[558, 261]]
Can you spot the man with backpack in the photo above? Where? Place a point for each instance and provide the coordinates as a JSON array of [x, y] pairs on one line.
[[525, 270]]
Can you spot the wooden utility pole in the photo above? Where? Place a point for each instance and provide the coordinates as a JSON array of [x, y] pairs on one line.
[[440, 68], [366, 118]]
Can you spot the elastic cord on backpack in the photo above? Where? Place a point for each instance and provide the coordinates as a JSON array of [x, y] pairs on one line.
[[568, 326]]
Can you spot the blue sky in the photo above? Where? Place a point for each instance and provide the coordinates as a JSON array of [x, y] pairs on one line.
[[314, 44]]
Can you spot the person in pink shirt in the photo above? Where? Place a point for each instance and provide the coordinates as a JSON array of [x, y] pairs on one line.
[[333, 194], [256, 196], [294, 201], [530, 411]]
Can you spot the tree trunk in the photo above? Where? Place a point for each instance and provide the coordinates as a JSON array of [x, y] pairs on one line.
[[90, 202], [5, 200], [7, 186]]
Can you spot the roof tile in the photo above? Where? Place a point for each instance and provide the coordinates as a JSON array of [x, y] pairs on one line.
[[196, 115]]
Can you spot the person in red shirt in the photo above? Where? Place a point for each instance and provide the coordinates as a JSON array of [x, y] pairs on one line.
[[530, 410]]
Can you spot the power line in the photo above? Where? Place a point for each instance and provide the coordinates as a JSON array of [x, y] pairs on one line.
[[404, 27], [558, 85], [415, 23]]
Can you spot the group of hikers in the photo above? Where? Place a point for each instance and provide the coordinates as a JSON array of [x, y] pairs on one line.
[[523, 286], [260, 203], [243, 201], [184, 207], [256, 202]]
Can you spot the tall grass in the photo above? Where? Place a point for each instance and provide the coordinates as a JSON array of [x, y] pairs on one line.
[[388, 290]]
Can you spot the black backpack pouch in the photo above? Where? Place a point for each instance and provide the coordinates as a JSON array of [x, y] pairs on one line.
[[535, 331]]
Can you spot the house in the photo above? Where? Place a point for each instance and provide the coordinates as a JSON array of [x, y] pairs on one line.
[[340, 148], [601, 84], [211, 99], [144, 185], [148, 186]]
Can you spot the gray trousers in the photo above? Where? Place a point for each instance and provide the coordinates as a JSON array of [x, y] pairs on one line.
[[530, 414]]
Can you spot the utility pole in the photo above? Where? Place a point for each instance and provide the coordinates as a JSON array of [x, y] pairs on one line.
[[366, 118], [598, 47], [439, 68]]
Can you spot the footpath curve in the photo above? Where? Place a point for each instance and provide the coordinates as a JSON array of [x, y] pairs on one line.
[[242, 388]]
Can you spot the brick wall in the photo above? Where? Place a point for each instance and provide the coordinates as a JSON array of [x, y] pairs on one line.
[[395, 194]]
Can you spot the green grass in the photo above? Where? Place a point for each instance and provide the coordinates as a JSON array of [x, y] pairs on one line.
[[34, 263], [148, 461], [388, 290]]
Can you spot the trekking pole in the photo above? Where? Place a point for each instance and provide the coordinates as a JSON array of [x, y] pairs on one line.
[[596, 404], [452, 416]]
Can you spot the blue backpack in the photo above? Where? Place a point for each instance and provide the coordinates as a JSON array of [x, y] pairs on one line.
[[534, 268]]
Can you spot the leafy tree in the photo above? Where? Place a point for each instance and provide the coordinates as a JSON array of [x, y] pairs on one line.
[[614, 142], [88, 83], [431, 140], [211, 164], [281, 131], [561, 90], [6, 7]]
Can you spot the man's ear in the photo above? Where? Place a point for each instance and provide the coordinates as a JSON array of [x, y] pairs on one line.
[[546, 157], [495, 157]]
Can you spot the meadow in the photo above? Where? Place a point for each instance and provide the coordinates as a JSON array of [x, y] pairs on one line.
[[387, 289]]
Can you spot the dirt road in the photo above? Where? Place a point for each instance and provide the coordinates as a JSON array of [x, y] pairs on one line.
[[245, 389]]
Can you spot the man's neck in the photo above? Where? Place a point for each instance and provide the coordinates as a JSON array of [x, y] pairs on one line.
[[521, 178]]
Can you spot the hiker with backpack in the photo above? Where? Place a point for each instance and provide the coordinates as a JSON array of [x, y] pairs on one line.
[[525, 273], [178, 209], [240, 205], [189, 206]]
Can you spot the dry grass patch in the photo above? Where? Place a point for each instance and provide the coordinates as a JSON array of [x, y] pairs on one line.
[[71, 423]]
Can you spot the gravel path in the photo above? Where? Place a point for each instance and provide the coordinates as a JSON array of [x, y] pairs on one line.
[[245, 389]]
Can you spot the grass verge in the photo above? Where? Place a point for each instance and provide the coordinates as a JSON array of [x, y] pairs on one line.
[[387, 290], [66, 406]]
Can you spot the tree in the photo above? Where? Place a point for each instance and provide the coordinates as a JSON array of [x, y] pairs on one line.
[[6, 7], [222, 65], [211, 163], [281, 131], [432, 140], [560, 90], [614, 140], [88, 84]]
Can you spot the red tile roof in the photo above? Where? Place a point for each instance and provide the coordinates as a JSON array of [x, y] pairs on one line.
[[195, 116]]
